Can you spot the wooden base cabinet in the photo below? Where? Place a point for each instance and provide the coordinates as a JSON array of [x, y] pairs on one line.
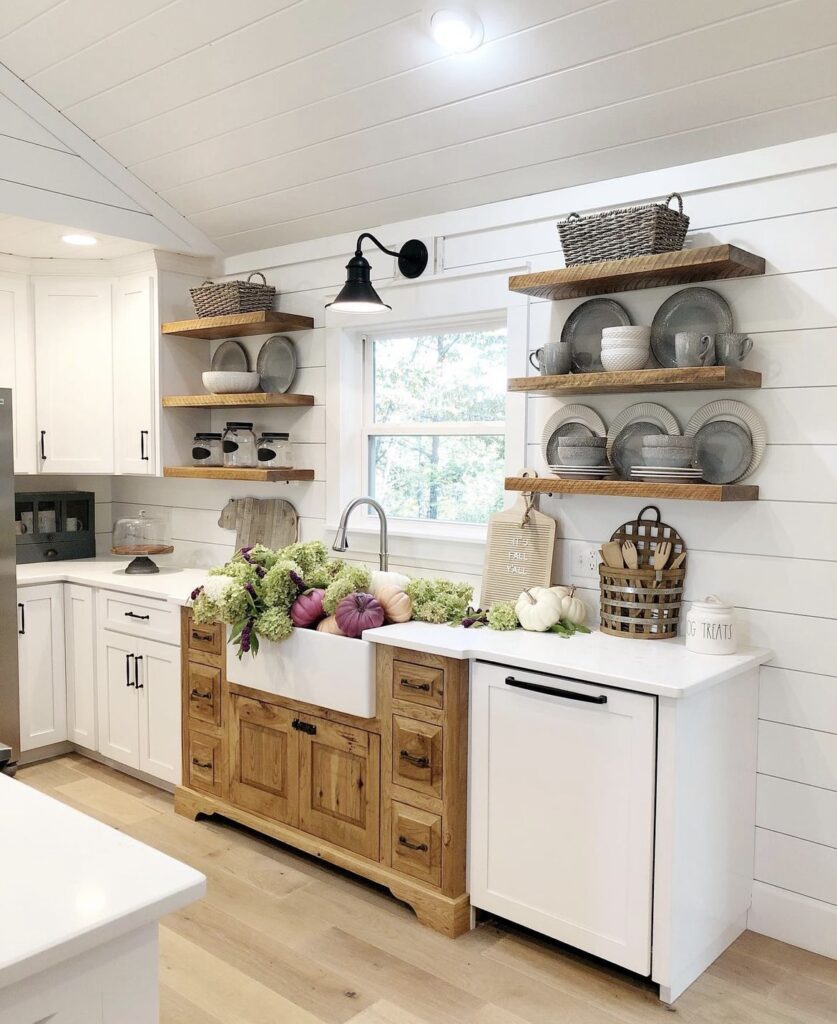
[[383, 797]]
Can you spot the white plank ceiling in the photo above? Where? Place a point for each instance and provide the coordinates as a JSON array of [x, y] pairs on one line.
[[271, 121]]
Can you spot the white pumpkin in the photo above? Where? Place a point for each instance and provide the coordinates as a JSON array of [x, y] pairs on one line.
[[380, 579], [538, 609], [562, 591], [572, 608]]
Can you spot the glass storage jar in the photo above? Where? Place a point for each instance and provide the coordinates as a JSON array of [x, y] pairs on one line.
[[239, 444], [141, 536], [207, 450], [275, 451]]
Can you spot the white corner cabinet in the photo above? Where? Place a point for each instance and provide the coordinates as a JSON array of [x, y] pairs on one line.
[[101, 669], [87, 366]]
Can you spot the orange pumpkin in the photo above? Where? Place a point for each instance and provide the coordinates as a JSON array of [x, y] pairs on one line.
[[396, 604], [329, 625]]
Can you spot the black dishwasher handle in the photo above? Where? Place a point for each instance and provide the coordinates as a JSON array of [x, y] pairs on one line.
[[554, 691]]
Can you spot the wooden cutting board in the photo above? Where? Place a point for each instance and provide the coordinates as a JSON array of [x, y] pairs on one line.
[[518, 552], [269, 521]]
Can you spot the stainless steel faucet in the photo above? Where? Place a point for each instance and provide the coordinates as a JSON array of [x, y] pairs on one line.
[[341, 539]]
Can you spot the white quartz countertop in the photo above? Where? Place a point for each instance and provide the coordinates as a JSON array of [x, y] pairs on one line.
[[169, 583], [68, 883], [661, 667]]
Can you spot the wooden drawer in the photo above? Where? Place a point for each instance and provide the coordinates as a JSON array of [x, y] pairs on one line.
[[206, 639], [416, 843], [204, 693], [417, 755], [205, 768], [419, 684]]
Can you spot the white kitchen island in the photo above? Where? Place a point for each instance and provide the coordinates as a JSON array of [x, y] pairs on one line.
[[80, 906]]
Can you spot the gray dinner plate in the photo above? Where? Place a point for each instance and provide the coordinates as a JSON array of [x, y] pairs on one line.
[[724, 449], [568, 429], [626, 451], [229, 356], [583, 330], [276, 364], [691, 309]]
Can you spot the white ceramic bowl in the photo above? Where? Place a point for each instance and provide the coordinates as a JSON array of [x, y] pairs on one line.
[[638, 333], [609, 343], [628, 359], [230, 382]]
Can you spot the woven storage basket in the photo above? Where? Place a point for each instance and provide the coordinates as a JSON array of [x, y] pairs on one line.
[[643, 603], [233, 297], [619, 234]]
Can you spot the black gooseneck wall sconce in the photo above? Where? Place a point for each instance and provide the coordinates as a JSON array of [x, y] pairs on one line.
[[357, 295]]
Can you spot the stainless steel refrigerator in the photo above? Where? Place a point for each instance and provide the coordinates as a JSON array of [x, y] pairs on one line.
[[9, 689]]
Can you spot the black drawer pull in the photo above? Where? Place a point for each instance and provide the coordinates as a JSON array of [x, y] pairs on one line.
[[420, 847], [424, 687], [419, 762], [43, 450], [206, 638], [22, 629], [128, 670], [307, 727], [207, 765], [143, 438], [553, 691], [137, 683], [133, 615], [201, 695]]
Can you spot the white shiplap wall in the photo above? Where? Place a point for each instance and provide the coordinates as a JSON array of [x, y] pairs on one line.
[[776, 560]]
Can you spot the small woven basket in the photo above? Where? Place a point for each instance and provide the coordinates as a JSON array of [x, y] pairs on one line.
[[620, 234], [212, 299], [643, 603]]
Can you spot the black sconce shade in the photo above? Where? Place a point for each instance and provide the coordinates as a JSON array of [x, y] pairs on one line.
[[357, 295]]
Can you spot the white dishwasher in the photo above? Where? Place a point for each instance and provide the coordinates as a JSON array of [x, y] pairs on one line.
[[562, 809]]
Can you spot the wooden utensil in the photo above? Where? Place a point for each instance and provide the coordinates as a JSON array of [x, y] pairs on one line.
[[629, 553], [661, 555], [611, 554], [681, 558]]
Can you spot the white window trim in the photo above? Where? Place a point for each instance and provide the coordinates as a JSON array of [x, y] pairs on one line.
[[424, 528]]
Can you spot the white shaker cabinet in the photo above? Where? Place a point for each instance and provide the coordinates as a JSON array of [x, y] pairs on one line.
[[80, 647], [117, 698], [43, 693], [73, 351], [134, 385], [17, 368]]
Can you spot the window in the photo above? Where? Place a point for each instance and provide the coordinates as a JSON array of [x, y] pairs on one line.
[[434, 423]]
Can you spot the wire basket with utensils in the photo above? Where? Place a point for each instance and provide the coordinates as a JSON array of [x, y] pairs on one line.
[[620, 234], [641, 579], [211, 299]]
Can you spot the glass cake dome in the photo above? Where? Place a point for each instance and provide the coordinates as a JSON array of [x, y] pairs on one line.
[[140, 537]]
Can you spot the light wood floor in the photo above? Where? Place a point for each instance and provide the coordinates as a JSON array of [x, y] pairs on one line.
[[282, 939]]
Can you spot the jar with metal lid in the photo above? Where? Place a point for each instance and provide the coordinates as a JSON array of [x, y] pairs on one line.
[[275, 451], [239, 444], [207, 450], [710, 627]]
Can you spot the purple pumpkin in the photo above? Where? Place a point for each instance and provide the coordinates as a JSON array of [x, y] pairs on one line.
[[358, 612], [307, 610]]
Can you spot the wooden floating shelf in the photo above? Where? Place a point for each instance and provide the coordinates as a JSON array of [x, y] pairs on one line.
[[228, 473], [633, 489], [258, 399], [690, 378], [237, 325], [688, 266]]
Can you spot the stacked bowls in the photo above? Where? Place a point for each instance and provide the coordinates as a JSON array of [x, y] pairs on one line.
[[625, 348], [669, 458], [582, 458]]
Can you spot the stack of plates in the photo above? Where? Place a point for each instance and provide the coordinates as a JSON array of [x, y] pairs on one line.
[[667, 474], [582, 472]]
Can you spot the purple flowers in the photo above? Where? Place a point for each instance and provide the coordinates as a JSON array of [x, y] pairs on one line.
[[298, 580], [246, 636], [260, 572], [196, 593], [251, 590]]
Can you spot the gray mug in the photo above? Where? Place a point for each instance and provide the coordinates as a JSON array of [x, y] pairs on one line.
[[732, 349], [553, 359], [691, 348]]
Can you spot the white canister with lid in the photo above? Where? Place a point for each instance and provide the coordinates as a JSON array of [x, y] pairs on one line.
[[710, 627]]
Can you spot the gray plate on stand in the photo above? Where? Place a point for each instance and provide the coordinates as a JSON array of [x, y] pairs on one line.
[[690, 309], [583, 330], [276, 364], [724, 449], [229, 357]]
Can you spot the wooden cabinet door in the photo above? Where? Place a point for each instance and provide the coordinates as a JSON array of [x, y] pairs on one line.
[[74, 375], [339, 784], [264, 760], [17, 368], [118, 722], [134, 337], [157, 670], [80, 636], [43, 690]]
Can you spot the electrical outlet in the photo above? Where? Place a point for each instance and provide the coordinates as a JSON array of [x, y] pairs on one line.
[[584, 560]]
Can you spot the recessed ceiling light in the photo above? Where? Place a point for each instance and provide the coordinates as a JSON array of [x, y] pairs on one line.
[[79, 240], [456, 29]]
